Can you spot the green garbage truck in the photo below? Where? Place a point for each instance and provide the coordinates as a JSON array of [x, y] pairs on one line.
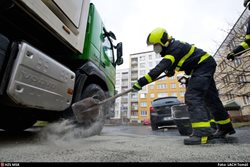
[[53, 53]]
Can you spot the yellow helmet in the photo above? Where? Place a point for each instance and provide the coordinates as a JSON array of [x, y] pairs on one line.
[[159, 36]]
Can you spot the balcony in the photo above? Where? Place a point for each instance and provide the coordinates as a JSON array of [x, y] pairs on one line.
[[134, 77]]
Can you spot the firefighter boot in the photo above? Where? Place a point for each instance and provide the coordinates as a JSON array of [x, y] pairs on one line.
[[223, 130], [196, 140]]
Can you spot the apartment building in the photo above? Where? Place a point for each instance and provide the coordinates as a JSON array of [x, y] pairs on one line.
[[233, 77], [140, 102], [121, 103]]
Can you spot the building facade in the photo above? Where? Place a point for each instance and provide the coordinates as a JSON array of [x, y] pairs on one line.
[[121, 104], [140, 102], [233, 77]]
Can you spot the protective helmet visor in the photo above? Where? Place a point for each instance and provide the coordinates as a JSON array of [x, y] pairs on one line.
[[157, 48]]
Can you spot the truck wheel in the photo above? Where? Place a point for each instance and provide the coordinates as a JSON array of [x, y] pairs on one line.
[[95, 91], [16, 121]]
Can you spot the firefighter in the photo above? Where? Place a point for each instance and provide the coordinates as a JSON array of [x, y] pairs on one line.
[[201, 91], [246, 43]]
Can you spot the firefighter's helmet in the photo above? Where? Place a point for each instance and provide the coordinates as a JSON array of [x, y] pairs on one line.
[[159, 36]]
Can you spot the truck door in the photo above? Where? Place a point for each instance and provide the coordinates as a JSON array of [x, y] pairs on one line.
[[107, 59]]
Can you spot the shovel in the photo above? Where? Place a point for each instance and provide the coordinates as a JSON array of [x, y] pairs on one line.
[[89, 108]]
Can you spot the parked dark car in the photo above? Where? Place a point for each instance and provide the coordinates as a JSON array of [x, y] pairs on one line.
[[160, 112]]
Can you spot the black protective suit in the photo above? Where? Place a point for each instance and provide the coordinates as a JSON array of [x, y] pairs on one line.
[[201, 95]]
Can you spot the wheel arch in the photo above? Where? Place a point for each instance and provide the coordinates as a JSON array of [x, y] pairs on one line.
[[89, 73]]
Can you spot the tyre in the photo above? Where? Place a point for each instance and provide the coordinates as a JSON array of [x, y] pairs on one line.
[[95, 91], [14, 120], [154, 126]]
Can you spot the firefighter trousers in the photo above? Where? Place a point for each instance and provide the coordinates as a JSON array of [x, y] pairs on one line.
[[202, 97]]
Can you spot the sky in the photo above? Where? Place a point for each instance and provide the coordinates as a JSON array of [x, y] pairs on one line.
[[199, 22]]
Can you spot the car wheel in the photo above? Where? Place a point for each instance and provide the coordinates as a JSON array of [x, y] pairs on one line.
[[154, 126]]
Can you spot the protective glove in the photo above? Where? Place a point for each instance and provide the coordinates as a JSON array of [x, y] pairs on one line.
[[136, 87], [231, 56], [245, 3], [170, 73]]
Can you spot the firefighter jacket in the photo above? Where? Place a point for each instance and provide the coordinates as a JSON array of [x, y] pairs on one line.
[[178, 56], [246, 43]]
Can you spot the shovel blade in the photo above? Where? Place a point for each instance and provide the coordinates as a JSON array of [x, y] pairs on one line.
[[86, 109]]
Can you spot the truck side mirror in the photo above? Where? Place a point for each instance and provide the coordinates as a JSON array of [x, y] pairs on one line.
[[119, 50], [112, 35], [118, 47], [119, 61]]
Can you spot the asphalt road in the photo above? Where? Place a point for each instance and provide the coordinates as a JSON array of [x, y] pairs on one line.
[[118, 144]]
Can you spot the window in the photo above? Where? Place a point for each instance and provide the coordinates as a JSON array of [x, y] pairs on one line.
[[173, 85], [142, 58], [142, 65], [158, 56], [125, 75], [143, 113], [142, 72], [162, 95], [134, 96], [108, 50], [245, 27], [230, 96], [151, 87], [172, 78], [134, 60], [150, 57], [162, 79], [143, 104], [232, 44], [117, 82], [134, 106], [226, 79], [246, 100], [222, 65], [124, 83], [150, 64], [182, 85], [152, 95], [173, 94], [242, 79], [237, 62], [161, 86], [134, 113], [143, 95]]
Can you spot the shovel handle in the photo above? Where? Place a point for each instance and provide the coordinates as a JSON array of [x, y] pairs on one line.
[[238, 54], [125, 92], [116, 96]]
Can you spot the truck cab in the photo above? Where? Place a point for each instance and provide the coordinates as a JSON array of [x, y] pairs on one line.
[[53, 53]]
